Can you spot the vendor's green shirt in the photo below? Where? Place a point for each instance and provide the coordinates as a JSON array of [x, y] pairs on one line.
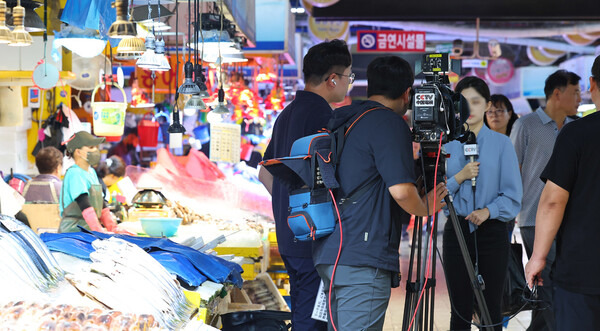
[[76, 182]]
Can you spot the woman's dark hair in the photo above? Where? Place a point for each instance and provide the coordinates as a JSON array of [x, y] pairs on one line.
[[113, 165], [325, 58], [48, 159], [498, 100], [389, 76], [475, 82]]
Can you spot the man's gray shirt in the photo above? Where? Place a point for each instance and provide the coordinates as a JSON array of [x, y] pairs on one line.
[[533, 136]]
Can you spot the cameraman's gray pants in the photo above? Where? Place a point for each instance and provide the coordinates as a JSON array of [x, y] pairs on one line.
[[359, 297]]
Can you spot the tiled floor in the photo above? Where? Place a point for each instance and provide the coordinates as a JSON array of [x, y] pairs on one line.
[[395, 312]]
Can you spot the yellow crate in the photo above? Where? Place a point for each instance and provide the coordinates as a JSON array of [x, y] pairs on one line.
[[196, 301], [251, 252], [272, 238], [250, 270]]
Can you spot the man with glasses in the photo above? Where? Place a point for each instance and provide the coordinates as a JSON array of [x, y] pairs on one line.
[[327, 74], [533, 136]]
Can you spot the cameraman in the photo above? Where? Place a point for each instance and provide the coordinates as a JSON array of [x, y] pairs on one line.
[[482, 212], [377, 159]]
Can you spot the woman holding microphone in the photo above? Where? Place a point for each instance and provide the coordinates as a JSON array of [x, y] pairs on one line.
[[482, 210]]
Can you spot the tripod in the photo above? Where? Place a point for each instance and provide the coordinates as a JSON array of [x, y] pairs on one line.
[[422, 308]]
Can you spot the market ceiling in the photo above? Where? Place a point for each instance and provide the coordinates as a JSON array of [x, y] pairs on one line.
[[458, 10]]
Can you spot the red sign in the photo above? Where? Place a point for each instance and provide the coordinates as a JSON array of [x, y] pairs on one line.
[[390, 41]]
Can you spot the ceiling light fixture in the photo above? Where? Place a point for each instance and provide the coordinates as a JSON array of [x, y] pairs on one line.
[[188, 86], [176, 130], [20, 36], [122, 27], [161, 59], [131, 47], [194, 104], [32, 21], [221, 109], [5, 34], [148, 59], [199, 77]]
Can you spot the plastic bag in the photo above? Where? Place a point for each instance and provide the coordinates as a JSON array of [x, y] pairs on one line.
[[92, 14]]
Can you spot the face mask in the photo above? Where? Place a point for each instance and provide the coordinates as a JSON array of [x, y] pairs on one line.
[[93, 158]]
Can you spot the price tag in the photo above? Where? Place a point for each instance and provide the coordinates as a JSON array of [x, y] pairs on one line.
[[320, 309]]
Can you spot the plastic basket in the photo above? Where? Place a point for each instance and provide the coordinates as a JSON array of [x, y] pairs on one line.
[[148, 131], [109, 117]]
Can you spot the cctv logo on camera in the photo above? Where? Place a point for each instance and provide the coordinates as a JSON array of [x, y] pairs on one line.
[[425, 99]]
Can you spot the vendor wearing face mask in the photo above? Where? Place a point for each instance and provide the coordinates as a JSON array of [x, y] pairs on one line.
[[81, 201]]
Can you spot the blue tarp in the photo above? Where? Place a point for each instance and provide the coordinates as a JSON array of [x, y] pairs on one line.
[[91, 14], [191, 266]]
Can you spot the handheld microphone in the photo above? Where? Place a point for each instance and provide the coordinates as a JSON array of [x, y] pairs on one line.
[[471, 150]]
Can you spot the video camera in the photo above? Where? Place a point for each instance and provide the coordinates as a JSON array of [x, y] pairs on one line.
[[436, 108]]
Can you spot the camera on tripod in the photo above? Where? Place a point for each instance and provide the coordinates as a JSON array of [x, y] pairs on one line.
[[436, 108]]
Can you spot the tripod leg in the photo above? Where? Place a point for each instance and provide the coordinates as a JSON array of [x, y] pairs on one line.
[[433, 270], [411, 287], [485, 314]]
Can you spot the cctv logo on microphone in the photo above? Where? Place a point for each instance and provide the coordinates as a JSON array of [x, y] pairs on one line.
[[425, 99], [471, 150]]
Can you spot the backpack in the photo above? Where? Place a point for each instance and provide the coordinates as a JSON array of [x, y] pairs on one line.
[[309, 174]]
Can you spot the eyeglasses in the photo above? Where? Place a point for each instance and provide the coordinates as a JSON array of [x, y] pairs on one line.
[[350, 77], [496, 111]]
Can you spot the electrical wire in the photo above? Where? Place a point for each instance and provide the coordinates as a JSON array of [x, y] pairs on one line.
[[176, 52], [219, 46], [202, 37], [189, 30], [527, 300], [336, 259]]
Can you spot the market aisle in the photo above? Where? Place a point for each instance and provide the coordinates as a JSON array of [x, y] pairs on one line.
[[395, 312]]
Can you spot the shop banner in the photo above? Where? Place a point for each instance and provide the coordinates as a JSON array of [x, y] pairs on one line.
[[390, 41]]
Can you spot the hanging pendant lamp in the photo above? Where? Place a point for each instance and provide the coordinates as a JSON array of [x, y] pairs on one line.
[[161, 59], [122, 27], [188, 86], [200, 80], [132, 47], [20, 36], [148, 59], [194, 104], [199, 77], [5, 34], [221, 108]]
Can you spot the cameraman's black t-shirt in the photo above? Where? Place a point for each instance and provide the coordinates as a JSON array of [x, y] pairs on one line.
[[574, 166], [378, 148]]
